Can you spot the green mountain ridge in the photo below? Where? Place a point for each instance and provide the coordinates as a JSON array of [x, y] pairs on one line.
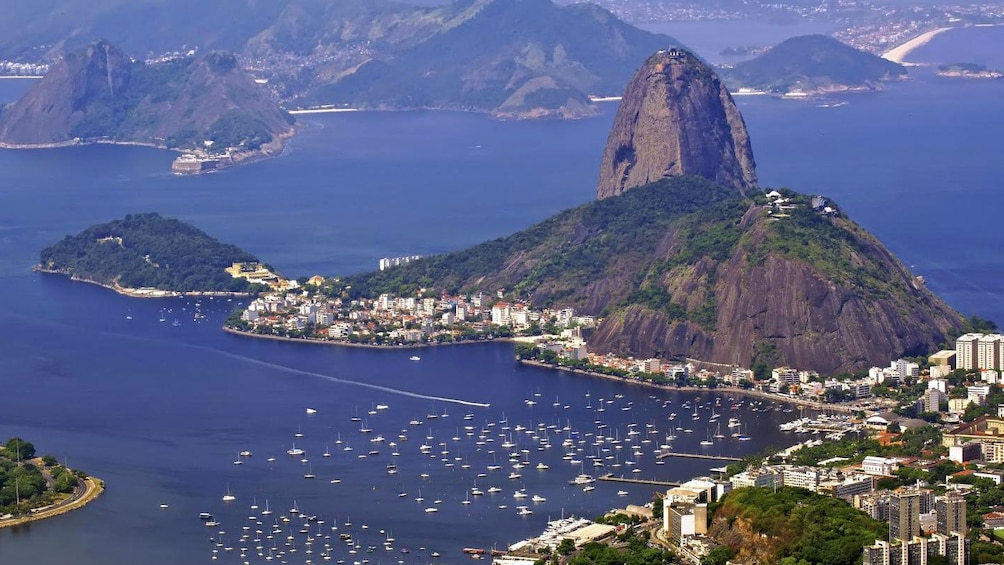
[[148, 251], [813, 63], [99, 93]]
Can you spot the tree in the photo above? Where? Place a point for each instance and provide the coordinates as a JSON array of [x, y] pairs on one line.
[[566, 547], [718, 556], [49, 460], [18, 448]]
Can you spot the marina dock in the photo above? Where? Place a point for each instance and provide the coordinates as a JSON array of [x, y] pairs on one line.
[[697, 456], [611, 478]]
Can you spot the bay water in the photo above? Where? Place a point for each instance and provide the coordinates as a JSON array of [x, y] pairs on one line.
[[161, 411]]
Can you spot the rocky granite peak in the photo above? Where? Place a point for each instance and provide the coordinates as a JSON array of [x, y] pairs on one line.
[[676, 118]]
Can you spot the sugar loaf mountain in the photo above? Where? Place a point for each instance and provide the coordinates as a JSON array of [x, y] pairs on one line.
[[206, 105], [683, 255]]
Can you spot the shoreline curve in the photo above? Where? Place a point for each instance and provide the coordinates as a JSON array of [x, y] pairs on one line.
[[93, 488], [899, 53]]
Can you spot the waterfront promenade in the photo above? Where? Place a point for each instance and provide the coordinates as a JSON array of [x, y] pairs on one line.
[[88, 491], [721, 389]]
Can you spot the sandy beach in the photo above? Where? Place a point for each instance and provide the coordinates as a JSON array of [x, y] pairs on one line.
[[321, 111], [899, 53]]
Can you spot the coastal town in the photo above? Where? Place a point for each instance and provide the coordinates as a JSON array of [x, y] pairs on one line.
[[919, 444], [930, 471]]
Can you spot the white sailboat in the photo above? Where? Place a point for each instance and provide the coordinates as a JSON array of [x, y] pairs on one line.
[[229, 497], [718, 432]]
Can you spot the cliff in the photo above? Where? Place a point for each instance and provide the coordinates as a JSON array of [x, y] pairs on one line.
[[99, 94], [813, 63], [676, 118]]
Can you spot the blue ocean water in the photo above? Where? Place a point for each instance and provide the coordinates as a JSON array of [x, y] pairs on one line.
[[160, 412]]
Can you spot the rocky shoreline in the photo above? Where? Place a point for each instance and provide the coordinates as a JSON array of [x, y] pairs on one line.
[[140, 292], [274, 148]]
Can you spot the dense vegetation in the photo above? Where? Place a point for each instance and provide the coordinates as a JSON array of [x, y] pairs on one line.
[[832, 246], [810, 62], [796, 525], [630, 549], [120, 114], [563, 254], [147, 250], [24, 479]]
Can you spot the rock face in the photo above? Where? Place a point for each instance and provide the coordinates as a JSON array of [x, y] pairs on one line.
[[99, 94], [777, 308], [676, 118]]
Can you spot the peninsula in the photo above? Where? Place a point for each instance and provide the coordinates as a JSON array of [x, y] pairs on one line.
[[35, 488], [682, 256], [147, 255], [206, 107]]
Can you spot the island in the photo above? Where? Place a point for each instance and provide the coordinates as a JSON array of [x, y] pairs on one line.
[[968, 70], [811, 65], [35, 488], [204, 106], [147, 255]]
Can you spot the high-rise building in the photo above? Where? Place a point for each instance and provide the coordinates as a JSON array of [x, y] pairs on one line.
[[932, 400], [951, 511], [904, 514], [966, 351], [918, 551], [988, 352]]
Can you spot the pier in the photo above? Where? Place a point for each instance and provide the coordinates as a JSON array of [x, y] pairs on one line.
[[697, 456], [611, 478]]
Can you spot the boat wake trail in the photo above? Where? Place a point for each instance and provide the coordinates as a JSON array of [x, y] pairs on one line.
[[372, 386]]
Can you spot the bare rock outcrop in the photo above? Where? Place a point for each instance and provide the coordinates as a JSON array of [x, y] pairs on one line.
[[676, 118]]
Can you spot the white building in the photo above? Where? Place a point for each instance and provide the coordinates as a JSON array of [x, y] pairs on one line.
[[756, 478], [873, 465], [966, 349]]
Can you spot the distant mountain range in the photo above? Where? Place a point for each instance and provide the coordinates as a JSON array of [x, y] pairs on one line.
[[511, 57], [813, 64], [98, 93]]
